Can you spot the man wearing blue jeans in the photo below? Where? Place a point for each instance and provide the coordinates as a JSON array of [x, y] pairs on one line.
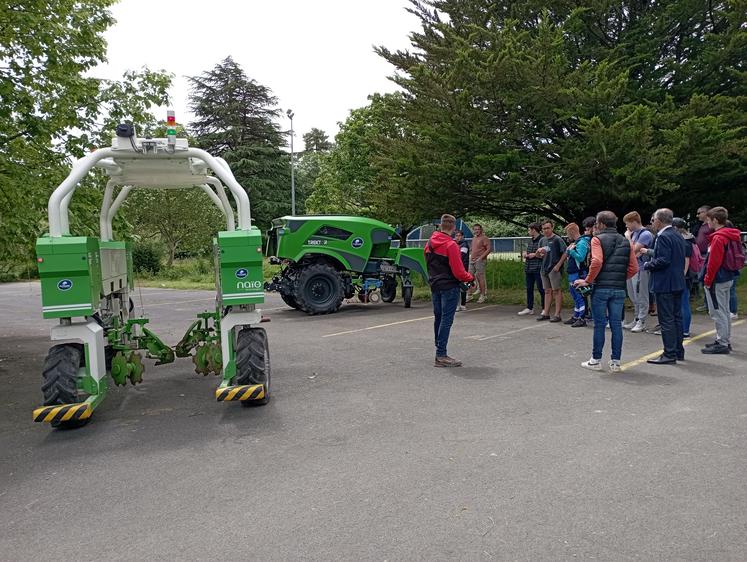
[[613, 262], [445, 275]]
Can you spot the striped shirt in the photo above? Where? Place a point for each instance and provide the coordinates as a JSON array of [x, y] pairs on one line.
[[533, 264]]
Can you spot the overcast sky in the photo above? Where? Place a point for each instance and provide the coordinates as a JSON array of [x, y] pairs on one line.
[[316, 56]]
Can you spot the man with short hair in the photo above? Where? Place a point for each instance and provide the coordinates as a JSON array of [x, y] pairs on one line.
[[445, 274], [667, 269], [464, 254], [553, 254], [532, 266], [612, 264], [478, 262], [703, 229], [718, 278], [577, 251], [638, 284]]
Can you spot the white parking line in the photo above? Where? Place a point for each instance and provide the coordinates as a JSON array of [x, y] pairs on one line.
[[506, 333], [397, 323]]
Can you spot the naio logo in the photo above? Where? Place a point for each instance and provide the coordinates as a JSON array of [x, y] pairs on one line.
[[357, 242], [241, 273], [249, 284], [65, 285]]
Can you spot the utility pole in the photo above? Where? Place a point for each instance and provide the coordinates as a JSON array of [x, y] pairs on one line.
[[290, 115]]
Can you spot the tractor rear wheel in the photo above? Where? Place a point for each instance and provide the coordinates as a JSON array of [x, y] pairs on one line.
[[407, 295], [60, 379], [253, 362], [388, 289], [319, 289]]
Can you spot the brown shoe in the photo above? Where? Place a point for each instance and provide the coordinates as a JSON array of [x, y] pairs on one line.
[[446, 361]]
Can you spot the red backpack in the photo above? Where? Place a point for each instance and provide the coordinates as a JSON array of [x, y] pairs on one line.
[[696, 260], [734, 256]]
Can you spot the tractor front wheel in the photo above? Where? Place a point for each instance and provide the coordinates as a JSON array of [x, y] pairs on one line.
[[319, 289], [60, 379], [388, 289], [407, 295], [253, 362]]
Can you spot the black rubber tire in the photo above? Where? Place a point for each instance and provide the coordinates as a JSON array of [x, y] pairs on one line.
[[389, 289], [407, 295], [253, 362], [319, 289], [60, 379], [289, 300]]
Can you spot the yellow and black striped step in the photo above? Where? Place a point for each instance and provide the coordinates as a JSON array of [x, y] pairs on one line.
[[241, 392], [63, 412]]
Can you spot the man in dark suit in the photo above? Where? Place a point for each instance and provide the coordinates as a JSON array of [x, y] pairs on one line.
[[668, 283]]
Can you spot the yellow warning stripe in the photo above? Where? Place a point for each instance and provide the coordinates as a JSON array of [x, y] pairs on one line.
[[64, 412], [241, 392]]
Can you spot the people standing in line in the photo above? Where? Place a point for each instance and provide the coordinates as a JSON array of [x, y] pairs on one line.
[[718, 278], [553, 254], [480, 250], [532, 267], [613, 262], [638, 285], [464, 253], [577, 252], [445, 274], [693, 263], [667, 267]]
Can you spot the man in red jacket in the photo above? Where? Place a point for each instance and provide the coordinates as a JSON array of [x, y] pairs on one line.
[[445, 275], [718, 278]]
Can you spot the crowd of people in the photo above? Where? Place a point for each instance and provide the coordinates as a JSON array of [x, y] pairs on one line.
[[660, 267]]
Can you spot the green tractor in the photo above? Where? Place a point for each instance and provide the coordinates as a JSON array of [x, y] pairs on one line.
[[86, 283], [326, 259]]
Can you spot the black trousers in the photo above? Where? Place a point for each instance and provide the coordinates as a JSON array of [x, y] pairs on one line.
[[669, 306]]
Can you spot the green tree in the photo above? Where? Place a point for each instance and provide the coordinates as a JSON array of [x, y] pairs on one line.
[[235, 117], [52, 109], [183, 220], [316, 140], [562, 108]]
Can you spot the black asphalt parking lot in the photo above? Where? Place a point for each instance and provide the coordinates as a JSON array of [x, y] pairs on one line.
[[368, 452]]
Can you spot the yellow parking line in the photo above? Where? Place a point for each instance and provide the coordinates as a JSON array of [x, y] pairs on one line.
[[684, 343], [396, 323]]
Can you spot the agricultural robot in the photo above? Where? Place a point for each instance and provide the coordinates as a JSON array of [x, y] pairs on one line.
[[86, 284], [325, 259]]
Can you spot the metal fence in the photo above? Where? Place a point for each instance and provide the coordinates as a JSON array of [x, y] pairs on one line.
[[509, 247]]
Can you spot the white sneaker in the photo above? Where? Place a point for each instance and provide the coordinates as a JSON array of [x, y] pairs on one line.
[[733, 315], [592, 364], [526, 311], [638, 328], [481, 299], [615, 366], [461, 307], [630, 325]]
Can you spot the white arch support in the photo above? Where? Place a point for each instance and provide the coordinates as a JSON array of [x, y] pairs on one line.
[[123, 170]]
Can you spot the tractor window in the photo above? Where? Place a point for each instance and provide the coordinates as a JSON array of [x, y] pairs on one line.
[[333, 232]]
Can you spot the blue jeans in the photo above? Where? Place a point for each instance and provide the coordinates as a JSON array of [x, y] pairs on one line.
[[686, 313], [444, 307], [533, 278], [579, 305], [607, 303]]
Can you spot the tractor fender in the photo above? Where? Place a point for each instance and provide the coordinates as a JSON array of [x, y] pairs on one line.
[[344, 260], [412, 259]]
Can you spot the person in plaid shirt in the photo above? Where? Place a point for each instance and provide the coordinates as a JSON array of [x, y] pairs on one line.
[[532, 267]]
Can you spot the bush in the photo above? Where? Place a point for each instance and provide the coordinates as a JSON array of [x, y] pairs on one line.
[[146, 257]]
